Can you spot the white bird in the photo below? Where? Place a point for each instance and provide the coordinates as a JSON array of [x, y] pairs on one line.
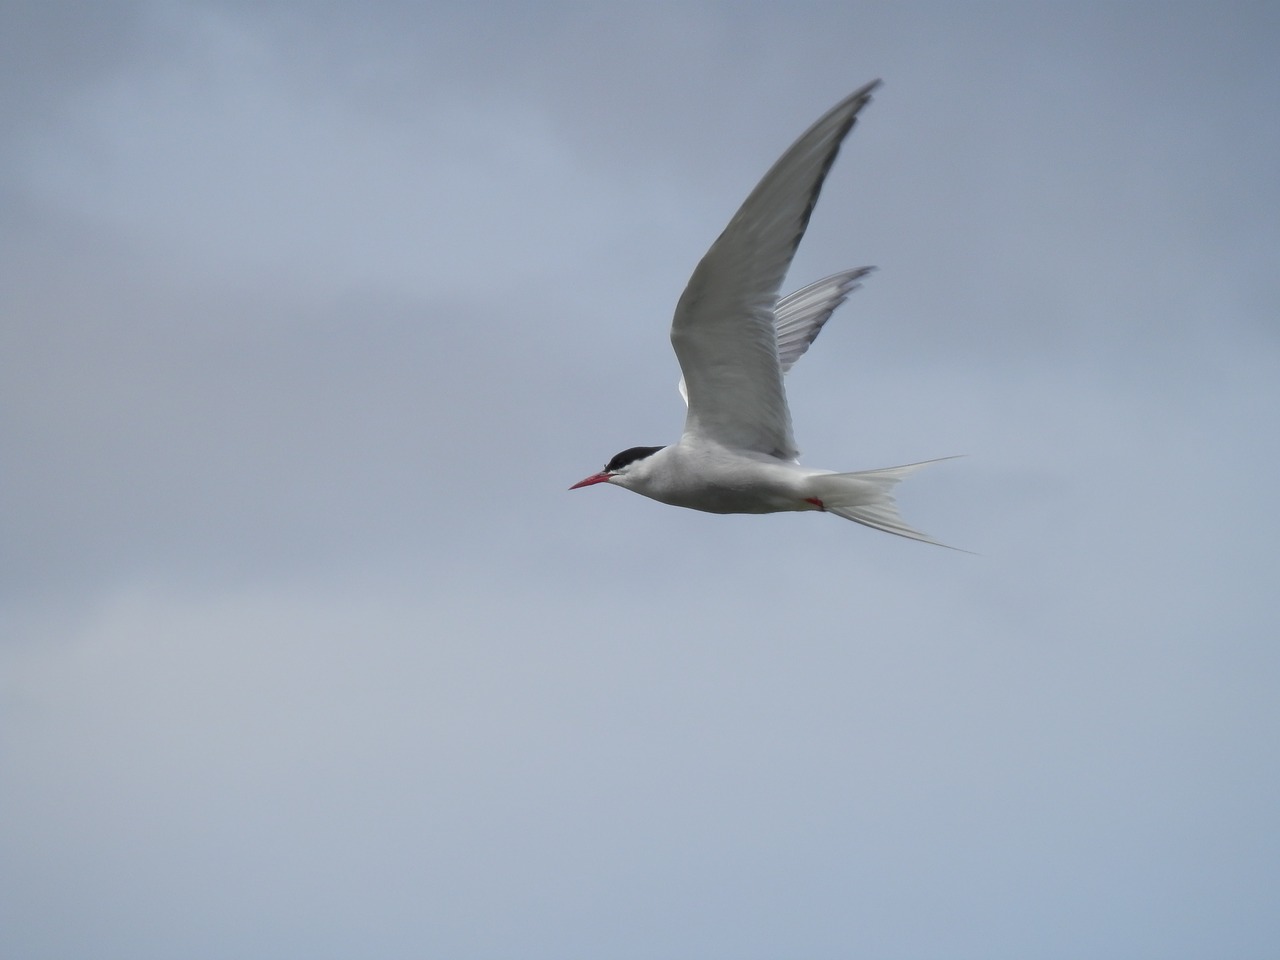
[[735, 340]]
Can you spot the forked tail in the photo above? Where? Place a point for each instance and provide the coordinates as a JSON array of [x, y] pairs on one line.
[[866, 497]]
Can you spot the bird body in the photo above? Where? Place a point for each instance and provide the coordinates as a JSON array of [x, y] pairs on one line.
[[704, 475], [735, 340]]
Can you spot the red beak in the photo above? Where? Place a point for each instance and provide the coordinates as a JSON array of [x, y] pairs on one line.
[[594, 478]]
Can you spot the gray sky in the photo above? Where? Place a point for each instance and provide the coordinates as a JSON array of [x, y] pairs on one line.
[[309, 314]]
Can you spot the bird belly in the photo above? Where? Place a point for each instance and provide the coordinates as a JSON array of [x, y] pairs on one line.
[[736, 486]]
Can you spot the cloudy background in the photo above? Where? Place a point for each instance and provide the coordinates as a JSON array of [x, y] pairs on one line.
[[310, 314]]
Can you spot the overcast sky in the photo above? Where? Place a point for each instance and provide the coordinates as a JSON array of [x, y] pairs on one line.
[[310, 314]]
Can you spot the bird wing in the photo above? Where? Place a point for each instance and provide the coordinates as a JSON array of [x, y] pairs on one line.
[[724, 328], [799, 316]]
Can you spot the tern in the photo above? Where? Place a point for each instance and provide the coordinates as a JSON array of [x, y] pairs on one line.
[[735, 340]]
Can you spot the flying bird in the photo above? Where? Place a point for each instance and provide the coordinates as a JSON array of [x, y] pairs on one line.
[[735, 340]]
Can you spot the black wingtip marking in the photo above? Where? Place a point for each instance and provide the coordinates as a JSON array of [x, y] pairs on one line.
[[862, 99]]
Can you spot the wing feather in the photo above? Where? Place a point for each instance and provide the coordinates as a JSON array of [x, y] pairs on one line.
[[799, 317], [723, 332]]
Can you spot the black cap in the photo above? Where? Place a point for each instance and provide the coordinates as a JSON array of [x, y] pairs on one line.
[[629, 456]]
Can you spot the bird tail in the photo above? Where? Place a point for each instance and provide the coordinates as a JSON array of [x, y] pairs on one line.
[[866, 497]]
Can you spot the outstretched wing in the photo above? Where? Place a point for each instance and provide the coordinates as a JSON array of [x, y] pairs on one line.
[[799, 316], [723, 332]]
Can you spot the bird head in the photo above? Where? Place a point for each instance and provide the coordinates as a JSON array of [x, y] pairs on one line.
[[616, 470]]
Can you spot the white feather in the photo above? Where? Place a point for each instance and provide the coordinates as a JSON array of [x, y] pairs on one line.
[[798, 318], [724, 331]]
